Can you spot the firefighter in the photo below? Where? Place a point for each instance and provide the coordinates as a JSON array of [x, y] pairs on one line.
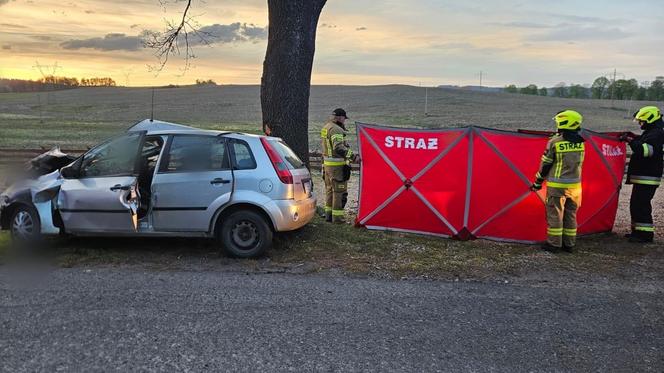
[[644, 171], [337, 157], [561, 167]]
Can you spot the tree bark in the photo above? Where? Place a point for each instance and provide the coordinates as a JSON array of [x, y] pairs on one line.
[[286, 81]]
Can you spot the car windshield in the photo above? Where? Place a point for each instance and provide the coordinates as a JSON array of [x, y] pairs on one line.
[[287, 153]]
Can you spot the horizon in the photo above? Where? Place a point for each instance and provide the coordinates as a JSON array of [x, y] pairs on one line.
[[424, 42], [217, 84]]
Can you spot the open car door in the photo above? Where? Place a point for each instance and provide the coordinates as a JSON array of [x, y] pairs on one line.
[[100, 192]]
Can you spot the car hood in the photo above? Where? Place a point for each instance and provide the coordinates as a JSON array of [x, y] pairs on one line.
[[33, 186]]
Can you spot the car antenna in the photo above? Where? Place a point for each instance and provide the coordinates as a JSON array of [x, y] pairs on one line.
[[152, 109]]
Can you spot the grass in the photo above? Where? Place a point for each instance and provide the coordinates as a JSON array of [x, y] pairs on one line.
[[406, 255], [82, 117], [323, 247]]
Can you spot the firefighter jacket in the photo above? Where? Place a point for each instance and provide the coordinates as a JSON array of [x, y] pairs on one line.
[[336, 151], [645, 165], [562, 160]]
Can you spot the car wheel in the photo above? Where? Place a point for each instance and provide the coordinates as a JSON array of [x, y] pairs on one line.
[[245, 234], [25, 225]]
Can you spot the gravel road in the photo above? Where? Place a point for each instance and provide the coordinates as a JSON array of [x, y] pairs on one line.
[[130, 319]]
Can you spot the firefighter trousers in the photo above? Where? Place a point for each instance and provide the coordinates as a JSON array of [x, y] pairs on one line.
[[561, 207], [336, 193], [640, 208]]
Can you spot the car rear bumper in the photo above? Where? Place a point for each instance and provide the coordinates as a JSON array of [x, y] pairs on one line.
[[290, 214]]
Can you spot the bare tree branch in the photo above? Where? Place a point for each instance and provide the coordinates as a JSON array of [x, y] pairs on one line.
[[168, 43]]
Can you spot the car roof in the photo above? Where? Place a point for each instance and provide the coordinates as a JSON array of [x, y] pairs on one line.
[[158, 127]]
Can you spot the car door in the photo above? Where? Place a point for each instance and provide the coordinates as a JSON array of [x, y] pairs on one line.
[[193, 180], [100, 192]]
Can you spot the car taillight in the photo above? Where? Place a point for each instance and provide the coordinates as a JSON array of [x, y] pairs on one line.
[[278, 163]]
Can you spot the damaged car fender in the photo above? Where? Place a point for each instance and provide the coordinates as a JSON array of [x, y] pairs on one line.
[[40, 193]]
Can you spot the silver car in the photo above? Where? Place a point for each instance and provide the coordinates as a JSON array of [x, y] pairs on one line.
[[166, 179]]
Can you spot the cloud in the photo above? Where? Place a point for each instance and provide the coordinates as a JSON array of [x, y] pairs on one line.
[[89, 12], [361, 28], [11, 25], [6, 47], [459, 45], [3, 2], [327, 25], [212, 34], [567, 32], [582, 19], [110, 42], [231, 33], [519, 24], [42, 37], [134, 26]]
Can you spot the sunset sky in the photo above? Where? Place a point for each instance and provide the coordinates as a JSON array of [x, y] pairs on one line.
[[428, 42]]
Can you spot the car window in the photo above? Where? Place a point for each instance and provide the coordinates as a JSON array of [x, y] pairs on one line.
[[287, 153], [244, 160], [113, 158], [196, 153]]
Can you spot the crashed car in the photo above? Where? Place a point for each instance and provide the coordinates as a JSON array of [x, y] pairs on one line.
[[164, 179]]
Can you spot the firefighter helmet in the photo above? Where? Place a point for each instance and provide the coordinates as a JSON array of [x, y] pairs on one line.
[[568, 120], [647, 114]]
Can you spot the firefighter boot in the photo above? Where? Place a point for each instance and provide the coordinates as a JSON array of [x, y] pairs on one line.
[[550, 248], [641, 237]]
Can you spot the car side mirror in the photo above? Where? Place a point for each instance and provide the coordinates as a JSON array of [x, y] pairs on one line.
[[71, 171]]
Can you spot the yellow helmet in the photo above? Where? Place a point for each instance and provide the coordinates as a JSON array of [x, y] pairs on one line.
[[568, 120], [647, 114]]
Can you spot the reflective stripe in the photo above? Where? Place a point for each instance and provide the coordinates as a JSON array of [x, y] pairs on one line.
[[648, 150], [571, 180], [327, 162], [583, 157], [645, 180], [554, 231], [569, 232], [328, 208], [546, 159], [349, 154], [559, 165], [337, 137], [563, 185], [328, 143], [644, 229], [337, 212]]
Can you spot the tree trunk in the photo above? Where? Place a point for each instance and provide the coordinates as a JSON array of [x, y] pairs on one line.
[[286, 80]]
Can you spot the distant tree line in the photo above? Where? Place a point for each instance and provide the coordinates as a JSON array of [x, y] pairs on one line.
[[205, 82], [51, 82], [602, 88]]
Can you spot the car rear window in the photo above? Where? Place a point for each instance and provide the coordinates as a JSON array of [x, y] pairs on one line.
[[287, 153], [244, 160]]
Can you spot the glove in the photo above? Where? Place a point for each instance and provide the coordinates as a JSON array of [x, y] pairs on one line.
[[537, 185], [627, 137]]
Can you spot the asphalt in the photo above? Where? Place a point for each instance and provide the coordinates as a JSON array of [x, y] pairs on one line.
[[126, 319]]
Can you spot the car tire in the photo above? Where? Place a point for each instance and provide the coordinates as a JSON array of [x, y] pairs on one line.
[[25, 226], [245, 234]]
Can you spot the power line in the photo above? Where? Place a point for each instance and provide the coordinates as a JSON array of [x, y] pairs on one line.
[[47, 70]]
